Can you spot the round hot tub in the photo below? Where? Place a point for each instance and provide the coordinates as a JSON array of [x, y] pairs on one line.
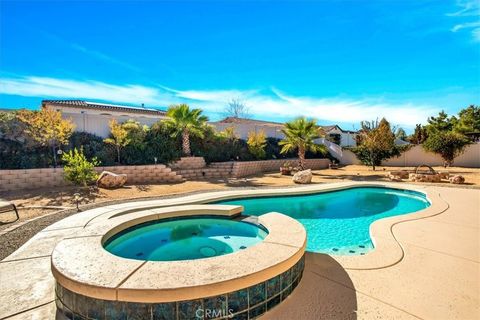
[[184, 239], [183, 262]]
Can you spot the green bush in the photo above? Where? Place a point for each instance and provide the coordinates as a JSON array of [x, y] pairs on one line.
[[448, 145], [216, 147], [93, 146], [78, 169]]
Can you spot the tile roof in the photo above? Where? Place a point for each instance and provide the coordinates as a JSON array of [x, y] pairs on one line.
[[237, 120], [104, 106], [250, 121]]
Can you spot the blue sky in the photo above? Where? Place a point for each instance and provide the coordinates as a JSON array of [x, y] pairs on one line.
[[340, 62]]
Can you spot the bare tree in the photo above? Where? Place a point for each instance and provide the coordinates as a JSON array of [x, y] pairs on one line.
[[237, 108]]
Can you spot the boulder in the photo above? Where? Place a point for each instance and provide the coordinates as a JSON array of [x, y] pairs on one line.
[[457, 179], [444, 175], [303, 177], [110, 180], [401, 174]]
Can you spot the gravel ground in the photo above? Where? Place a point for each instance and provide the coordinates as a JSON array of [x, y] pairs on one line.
[[12, 240]]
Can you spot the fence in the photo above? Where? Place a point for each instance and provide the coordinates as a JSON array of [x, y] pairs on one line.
[[416, 156]]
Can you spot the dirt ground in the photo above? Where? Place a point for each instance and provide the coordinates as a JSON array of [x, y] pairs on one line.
[[64, 197]]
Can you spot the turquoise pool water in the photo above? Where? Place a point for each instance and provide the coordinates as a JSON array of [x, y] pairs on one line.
[[338, 222], [184, 239]]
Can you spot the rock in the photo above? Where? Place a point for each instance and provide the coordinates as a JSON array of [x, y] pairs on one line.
[[394, 177], [444, 175], [111, 180], [457, 179], [303, 177], [401, 174]]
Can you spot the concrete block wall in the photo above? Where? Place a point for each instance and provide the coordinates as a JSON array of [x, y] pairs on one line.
[[186, 163], [11, 180], [246, 168], [145, 174]]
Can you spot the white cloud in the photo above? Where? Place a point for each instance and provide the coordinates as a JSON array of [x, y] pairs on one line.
[[466, 26], [269, 105], [468, 9]]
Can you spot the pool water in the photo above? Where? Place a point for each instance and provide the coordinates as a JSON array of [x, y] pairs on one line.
[[184, 239], [338, 222]]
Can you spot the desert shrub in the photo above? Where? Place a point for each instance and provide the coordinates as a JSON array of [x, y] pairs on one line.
[[78, 169]]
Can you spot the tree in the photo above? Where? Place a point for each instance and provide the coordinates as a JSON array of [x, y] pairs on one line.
[[440, 123], [447, 144], [136, 133], [48, 128], [300, 134], [186, 122], [257, 141], [419, 135], [238, 109], [118, 137], [78, 169], [377, 143], [401, 134], [469, 122]]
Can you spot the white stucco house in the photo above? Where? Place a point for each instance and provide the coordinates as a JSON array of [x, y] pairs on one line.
[[94, 117], [243, 126]]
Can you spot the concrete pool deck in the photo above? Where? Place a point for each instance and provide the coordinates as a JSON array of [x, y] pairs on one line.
[[437, 277]]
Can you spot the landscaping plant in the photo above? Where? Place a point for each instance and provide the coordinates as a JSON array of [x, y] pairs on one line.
[[78, 169], [300, 134], [186, 122], [118, 137], [376, 142], [257, 142], [48, 128]]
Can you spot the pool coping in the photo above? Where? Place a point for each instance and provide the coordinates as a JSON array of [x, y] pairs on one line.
[[388, 251], [82, 265]]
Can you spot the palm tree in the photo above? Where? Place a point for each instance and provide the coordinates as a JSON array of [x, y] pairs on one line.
[[300, 135], [186, 122]]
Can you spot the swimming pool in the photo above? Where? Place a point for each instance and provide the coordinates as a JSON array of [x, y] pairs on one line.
[[184, 239], [338, 222]]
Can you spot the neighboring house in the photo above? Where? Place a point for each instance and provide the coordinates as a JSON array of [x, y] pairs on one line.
[[244, 126], [347, 138], [93, 117]]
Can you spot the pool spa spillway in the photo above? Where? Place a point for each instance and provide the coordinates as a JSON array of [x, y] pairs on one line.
[[179, 262], [185, 239]]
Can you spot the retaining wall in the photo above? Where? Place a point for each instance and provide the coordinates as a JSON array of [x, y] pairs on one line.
[[246, 168], [49, 177], [11, 180]]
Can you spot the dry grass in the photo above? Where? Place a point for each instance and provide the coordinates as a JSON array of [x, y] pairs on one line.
[[64, 196]]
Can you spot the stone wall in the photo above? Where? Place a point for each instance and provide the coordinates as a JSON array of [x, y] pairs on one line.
[[11, 180], [187, 163], [246, 168]]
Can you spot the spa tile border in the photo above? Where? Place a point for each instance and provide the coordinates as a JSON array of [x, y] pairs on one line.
[[246, 303]]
